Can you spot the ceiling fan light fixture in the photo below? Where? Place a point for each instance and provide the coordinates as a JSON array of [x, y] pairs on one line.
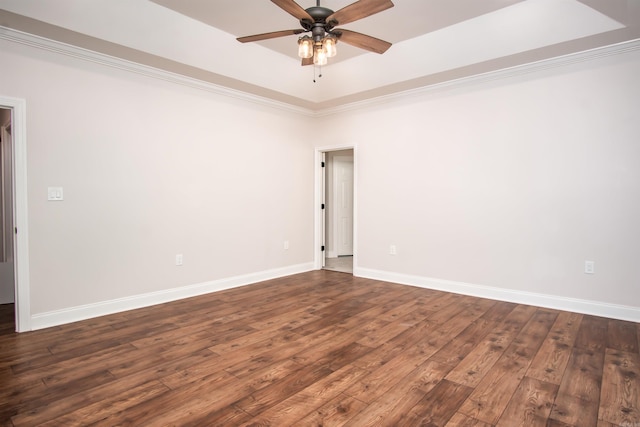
[[305, 47], [320, 22], [319, 55], [329, 46]]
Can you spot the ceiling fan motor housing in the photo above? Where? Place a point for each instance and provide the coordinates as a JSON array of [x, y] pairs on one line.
[[319, 15]]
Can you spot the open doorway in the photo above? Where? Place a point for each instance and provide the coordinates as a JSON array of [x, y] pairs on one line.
[[339, 211], [7, 271], [15, 215], [336, 204]]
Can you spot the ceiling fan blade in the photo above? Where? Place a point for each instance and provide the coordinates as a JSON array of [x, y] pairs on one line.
[[362, 41], [358, 10], [272, 35], [307, 61], [293, 8]]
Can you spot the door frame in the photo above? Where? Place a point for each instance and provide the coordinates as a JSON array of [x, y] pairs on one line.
[[18, 109], [318, 196]]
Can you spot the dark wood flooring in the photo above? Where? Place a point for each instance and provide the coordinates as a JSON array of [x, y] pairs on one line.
[[324, 349]]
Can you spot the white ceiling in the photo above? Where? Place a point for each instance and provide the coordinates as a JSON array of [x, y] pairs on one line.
[[433, 40], [417, 17]]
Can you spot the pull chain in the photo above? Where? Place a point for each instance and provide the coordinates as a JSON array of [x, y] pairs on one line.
[[314, 72]]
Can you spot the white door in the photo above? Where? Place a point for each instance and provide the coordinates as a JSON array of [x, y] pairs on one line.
[[343, 204]]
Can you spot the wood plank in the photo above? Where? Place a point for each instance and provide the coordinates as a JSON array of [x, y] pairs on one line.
[[104, 408], [65, 370], [403, 342], [336, 412], [214, 391], [379, 336], [380, 380], [15, 394], [391, 311], [73, 401], [333, 314], [530, 405], [437, 406], [466, 307], [242, 362], [578, 397], [405, 352], [620, 397], [390, 407], [458, 348], [555, 423], [592, 334], [43, 402], [310, 399], [622, 336], [461, 420], [492, 395], [553, 356], [481, 359], [283, 389]]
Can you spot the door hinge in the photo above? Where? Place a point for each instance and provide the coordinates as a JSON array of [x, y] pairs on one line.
[[16, 230], [322, 248], [322, 164], [322, 206]]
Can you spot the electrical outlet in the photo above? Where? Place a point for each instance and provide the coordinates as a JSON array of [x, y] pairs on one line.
[[393, 250], [589, 267], [178, 259]]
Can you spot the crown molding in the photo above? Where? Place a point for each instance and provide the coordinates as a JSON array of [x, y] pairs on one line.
[[504, 73], [76, 52], [50, 45]]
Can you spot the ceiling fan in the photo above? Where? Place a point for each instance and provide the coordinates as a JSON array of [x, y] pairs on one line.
[[321, 22]]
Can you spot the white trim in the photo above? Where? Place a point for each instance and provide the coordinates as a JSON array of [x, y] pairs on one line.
[[503, 73], [612, 311], [89, 311], [145, 70], [21, 217], [110, 61], [317, 197]]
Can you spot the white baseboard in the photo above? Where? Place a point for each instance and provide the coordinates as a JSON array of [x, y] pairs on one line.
[[595, 308], [83, 312]]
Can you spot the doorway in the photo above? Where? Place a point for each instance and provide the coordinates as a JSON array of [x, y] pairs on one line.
[[7, 274], [336, 200], [15, 236]]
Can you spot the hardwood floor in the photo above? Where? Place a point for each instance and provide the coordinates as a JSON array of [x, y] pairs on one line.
[[324, 349]]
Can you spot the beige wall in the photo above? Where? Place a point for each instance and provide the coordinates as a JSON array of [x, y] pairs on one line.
[[151, 169], [510, 184]]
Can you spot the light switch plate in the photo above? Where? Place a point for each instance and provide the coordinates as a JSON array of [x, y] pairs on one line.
[[55, 194], [589, 267]]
